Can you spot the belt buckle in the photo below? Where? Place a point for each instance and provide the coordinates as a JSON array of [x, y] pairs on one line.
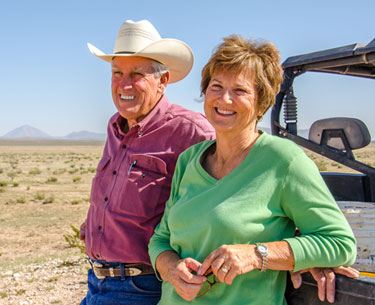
[[95, 267], [133, 271]]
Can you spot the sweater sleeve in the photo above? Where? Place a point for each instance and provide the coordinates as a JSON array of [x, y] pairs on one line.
[[327, 239], [160, 240]]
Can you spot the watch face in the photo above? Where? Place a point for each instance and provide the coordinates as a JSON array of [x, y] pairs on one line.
[[262, 249]]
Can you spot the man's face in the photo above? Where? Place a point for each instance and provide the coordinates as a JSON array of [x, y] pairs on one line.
[[135, 89]]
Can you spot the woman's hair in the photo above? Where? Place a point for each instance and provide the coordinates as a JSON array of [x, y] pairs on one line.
[[236, 55]]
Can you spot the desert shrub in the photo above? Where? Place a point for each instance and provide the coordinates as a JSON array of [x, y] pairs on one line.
[[73, 171], [2, 190], [21, 200], [49, 199], [59, 171], [51, 180], [75, 201], [39, 196], [35, 171], [76, 179], [1, 170], [15, 184], [74, 241], [12, 175], [20, 291], [321, 165], [3, 183]]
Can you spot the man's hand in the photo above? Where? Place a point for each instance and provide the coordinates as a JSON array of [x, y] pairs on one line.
[[325, 278], [82, 231]]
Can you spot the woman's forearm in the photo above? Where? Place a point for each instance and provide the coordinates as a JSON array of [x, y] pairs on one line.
[[280, 256], [165, 262]]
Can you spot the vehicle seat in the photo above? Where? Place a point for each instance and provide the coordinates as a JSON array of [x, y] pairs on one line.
[[339, 133]]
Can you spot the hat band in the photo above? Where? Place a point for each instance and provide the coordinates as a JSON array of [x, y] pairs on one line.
[[124, 52]]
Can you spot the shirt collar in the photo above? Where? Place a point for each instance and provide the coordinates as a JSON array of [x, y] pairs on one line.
[[150, 121]]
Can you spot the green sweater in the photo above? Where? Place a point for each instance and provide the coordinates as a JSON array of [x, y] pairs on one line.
[[274, 190]]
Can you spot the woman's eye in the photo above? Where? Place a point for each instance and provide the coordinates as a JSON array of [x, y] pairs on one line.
[[215, 87], [240, 91]]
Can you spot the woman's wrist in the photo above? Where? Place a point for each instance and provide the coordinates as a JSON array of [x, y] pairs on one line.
[[165, 262], [256, 258], [279, 256]]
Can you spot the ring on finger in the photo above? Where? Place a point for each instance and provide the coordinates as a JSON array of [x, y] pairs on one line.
[[224, 269]]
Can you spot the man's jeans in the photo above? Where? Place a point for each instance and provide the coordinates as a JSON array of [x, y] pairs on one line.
[[133, 290]]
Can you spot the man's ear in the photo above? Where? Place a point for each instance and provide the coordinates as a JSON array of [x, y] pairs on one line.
[[164, 79]]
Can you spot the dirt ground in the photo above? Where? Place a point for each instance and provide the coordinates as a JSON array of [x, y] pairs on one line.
[[44, 189]]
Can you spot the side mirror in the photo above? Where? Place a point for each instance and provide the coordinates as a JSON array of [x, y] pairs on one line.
[[339, 133]]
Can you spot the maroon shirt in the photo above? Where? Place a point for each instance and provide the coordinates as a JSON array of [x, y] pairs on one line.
[[133, 180]]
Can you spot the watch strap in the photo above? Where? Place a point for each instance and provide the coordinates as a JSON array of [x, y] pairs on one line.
[[264, 255]]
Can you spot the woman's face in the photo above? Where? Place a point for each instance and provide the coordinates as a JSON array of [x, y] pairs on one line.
[[231, 102]]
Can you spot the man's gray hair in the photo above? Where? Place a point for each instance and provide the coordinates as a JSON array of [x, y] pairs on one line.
[[159, 68]]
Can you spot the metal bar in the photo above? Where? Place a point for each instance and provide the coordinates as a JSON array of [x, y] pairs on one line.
[[335, 155], [347, 61]]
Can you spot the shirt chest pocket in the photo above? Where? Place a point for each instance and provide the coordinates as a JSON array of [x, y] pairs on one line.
[[146, 186]]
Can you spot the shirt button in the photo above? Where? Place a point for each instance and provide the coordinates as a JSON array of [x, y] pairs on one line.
[[98, 255], [99, 228], [106, 199], [124, 146], [114, 172]]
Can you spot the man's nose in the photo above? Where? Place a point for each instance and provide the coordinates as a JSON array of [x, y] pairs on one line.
[[126, 83]]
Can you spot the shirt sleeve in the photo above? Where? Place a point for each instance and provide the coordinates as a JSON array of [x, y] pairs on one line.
[[327, 239]]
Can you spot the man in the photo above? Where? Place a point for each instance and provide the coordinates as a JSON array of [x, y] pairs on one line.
[[134, 176]]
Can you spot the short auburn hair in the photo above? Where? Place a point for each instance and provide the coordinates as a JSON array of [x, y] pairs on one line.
[[236, 55]]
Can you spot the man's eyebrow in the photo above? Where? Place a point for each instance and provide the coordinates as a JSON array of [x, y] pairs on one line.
[[114, 66]]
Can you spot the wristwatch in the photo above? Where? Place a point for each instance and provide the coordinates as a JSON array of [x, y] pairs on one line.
[[263, 251]]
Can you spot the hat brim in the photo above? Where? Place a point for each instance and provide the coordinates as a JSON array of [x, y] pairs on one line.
[[174, 54]]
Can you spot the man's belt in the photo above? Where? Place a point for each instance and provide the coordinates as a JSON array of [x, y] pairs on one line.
[[101, 270]]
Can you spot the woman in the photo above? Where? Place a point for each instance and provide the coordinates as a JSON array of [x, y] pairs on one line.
[[236, 201]]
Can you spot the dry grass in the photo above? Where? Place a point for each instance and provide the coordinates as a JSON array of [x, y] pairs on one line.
[[365, 155], [44, 189]]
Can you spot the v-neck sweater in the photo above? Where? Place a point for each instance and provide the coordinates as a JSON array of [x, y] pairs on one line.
[[275, 189]]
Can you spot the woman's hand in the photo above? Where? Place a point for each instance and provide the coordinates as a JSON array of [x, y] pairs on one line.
[[325, 278], [228, 261], [178, 272]]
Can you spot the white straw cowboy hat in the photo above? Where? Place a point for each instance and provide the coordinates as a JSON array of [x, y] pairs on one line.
[[142, 39]]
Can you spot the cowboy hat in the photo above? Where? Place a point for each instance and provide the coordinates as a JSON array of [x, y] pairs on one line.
[[142, 39]]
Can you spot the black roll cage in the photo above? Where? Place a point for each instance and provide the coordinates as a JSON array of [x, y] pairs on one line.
[[354, 60]]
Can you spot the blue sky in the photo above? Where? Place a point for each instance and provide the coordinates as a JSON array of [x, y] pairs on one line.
[[50, 80]]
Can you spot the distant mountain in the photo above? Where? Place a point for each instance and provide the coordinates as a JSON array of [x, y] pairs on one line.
[[26, 132], [86, 135], [29, 132]]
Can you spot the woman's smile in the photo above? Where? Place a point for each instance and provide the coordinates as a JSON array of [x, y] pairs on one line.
[[224, 111]]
